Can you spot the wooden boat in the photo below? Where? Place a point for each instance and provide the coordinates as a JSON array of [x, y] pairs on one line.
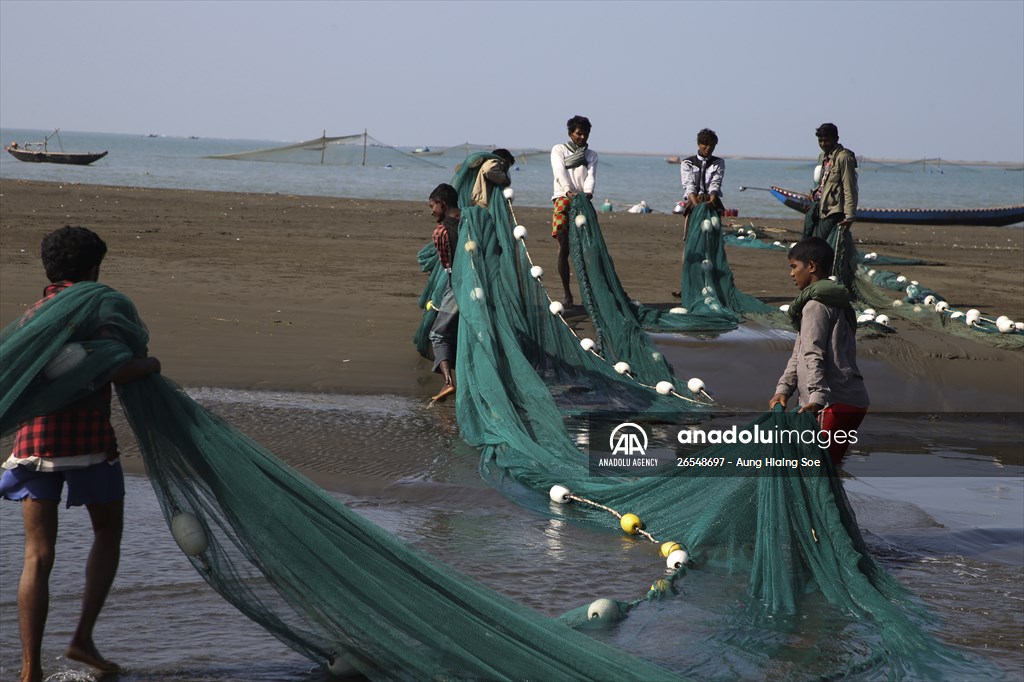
[[992, 216], [37, 152]]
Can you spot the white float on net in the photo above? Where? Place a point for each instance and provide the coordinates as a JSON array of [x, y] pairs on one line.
[[604, 611], [188, 532], [65, 360], [677, 558], [559, 494]]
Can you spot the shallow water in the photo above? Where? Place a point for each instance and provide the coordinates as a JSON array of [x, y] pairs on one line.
[[957, 542]]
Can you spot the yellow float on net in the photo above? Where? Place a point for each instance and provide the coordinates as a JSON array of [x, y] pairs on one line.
[[430, 305], [631, 523], [669, 547], [661, 586]]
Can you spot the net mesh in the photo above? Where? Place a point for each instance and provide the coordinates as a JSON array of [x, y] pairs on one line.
[[346, 150], [926, 308], [710, 299], [788, 533], [318, 576]]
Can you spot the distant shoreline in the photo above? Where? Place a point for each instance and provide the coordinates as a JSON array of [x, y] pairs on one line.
[[811, 159], [541, 150]]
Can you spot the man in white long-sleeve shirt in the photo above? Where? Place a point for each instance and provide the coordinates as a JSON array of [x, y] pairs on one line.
[[702, 175], [574, 166]]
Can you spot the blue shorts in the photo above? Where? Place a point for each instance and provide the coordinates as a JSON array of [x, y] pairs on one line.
[[96, 484]]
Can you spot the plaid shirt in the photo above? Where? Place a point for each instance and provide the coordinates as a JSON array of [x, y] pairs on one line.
[[443, 241], [82, 428]]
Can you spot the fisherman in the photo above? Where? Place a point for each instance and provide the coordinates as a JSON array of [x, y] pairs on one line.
[[444, 208], [702, 175], [574, 166], [834, 202], [75, 445], [823, 366]]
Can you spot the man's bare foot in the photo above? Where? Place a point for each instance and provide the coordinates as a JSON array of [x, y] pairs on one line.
[[677, 294], [443, 394], [87, 653]]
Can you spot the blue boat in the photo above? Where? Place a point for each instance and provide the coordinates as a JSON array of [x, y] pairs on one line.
[[996, 216]]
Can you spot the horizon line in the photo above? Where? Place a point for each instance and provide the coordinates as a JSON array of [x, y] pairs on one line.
[[524, 149]]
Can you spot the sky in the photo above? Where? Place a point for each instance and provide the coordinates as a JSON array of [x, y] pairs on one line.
[[902, 80]]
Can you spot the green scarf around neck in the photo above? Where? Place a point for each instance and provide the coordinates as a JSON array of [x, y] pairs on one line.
[[824, 291]]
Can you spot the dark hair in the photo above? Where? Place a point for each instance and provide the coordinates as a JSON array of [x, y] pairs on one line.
[[827, 130], [707, 136], [578, 122], [505, 155], [814, 250], [445, 194], [71, 252]]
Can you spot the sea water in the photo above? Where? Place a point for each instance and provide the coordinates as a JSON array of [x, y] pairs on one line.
[[957, 542], [185, 163]]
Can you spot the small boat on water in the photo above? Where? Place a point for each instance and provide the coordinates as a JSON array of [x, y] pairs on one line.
[[996, 216], [37, 152]]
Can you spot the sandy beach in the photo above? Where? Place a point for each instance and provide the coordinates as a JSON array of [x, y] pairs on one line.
[[284, 292]]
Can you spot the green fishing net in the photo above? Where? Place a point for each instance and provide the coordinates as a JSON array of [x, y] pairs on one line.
[[919, 304], [711, 302], [344, 150], [789, 532], [87, 310], [924, 307], [710, 299], [749, 237], [336, 588], [318, 576]]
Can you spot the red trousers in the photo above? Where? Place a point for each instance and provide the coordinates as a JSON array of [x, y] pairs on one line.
[[840, 417]]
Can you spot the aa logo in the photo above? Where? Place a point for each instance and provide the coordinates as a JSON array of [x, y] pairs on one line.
[[628, 439]]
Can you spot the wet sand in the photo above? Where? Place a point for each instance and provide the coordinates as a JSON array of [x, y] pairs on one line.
[[284, 292]]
